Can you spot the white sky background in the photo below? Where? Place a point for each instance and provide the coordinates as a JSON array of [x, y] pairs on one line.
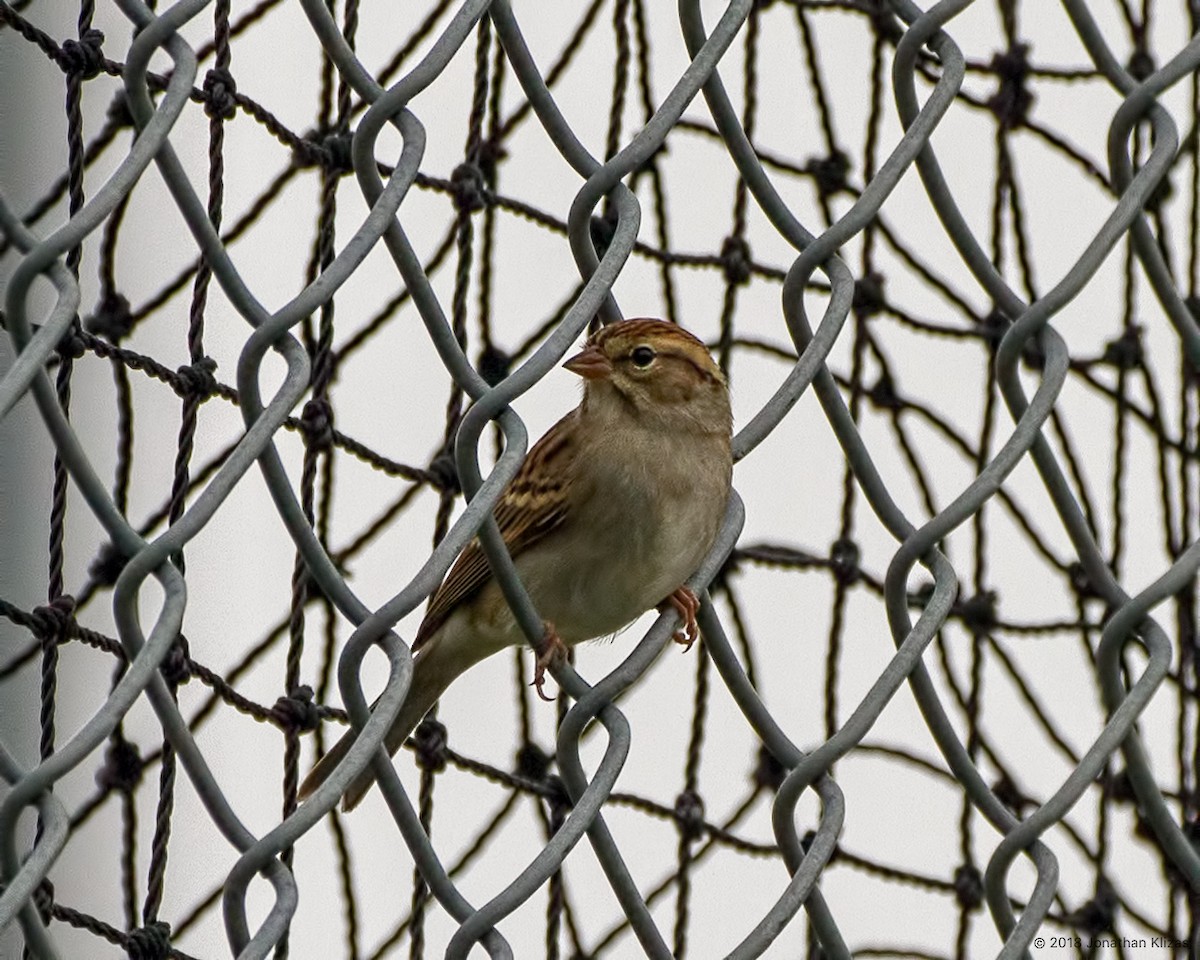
[[391, 397]]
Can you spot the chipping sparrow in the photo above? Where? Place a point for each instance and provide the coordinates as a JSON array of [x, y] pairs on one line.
[[612, 509]]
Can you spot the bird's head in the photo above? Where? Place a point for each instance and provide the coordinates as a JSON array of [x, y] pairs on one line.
[[656, 371]]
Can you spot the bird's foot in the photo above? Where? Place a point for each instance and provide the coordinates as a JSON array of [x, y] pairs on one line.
[[685, 602], [554, 651]]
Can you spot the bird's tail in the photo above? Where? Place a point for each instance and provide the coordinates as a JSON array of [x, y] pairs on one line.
[[433, 669]]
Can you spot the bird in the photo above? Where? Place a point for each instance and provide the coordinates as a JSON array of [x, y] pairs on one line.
[[609, 513]]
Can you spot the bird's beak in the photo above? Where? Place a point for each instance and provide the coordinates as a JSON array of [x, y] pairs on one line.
[[590, 363]]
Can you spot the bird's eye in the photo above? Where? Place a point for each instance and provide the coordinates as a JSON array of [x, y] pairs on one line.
[[642, 356]]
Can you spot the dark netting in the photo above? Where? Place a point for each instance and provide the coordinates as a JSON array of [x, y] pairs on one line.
[[986, 371]]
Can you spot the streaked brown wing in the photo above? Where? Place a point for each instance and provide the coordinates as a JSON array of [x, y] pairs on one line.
[[532, 505]]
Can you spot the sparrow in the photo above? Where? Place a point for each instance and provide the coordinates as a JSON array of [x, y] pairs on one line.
[[608, 515]]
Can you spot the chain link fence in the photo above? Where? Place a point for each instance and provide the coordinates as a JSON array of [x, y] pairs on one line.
[[1001, 477]]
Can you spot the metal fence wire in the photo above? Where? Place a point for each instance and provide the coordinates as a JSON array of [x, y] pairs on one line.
[[1033, 560]]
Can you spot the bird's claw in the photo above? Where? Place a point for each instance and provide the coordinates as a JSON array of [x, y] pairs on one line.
[[553, 651], [685, 602]]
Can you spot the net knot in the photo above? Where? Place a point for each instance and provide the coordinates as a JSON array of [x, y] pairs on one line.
[[602, 229], [72, 346], [979, 612], [84, 56], [443, 473], [532, 762], [430, 736], [494, 364], [883, 394], [1081, 583], [113, 318], [43, 899], [336, 154], [297, 713], [176, 666], [735, 260], [829, 173], [1009, 794], [1192, 371], [52, 622], [317, 421], [868, 298], [469, 187], [1141, 65], [1034, 354], [689, 814], [1012, 99], [220, 91], [994, 326], [1192, 832], [1099, 914], [968, 887], [1120, 787], [488, 157], [883, 19], [151, 942], [920, 597], [1124, 352], [108, 564], [122, 770], [555, 792], [1141, 827], [196, 379], [844, 556], [769, 773], [119, 114]]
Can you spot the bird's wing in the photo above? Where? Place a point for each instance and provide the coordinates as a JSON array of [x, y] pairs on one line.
[[533, 505]]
